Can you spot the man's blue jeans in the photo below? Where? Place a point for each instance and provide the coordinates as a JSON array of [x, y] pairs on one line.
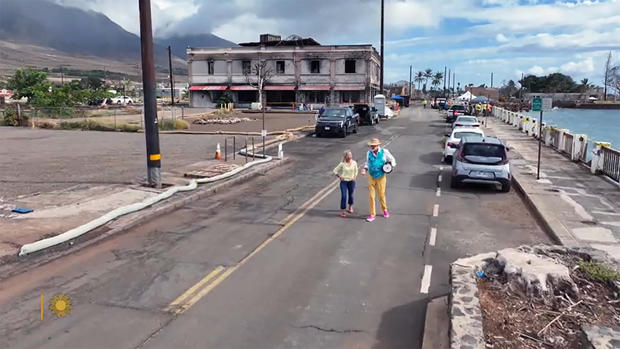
[[344, 188]]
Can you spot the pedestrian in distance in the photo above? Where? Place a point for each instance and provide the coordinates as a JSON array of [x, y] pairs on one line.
[[346, 171], [424, 103], [376, 158]]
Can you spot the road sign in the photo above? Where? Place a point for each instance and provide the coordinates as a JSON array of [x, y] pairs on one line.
[[547, 103], [537, 104]]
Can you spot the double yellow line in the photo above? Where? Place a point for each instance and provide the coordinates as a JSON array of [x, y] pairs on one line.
[[219, 274]]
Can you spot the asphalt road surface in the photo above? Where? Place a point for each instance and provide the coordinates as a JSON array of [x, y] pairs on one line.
[[271, 264]]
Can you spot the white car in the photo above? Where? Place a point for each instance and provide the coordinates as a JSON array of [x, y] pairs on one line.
[[466, 121], [122, 100], [455, 138]]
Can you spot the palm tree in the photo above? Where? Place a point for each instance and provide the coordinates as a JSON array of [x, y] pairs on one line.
[[584, 85], [428, 73], [419, 78], [437, 79]]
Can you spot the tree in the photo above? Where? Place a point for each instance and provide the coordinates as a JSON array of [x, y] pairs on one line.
[[259, 75], [552, 83], [428, 73], [419, 78], [91, 82], [509, 89], [27, 82], [608, 76], [437, 79]]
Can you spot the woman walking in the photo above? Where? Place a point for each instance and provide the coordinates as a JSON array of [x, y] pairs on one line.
[[347, 172]]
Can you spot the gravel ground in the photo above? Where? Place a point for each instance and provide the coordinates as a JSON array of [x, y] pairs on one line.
[[35, 160]]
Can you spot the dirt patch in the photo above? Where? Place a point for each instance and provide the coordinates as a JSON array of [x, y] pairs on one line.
[[513, 320]]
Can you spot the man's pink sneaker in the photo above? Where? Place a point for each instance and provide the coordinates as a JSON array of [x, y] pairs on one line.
[[370, 218], [386, 214]]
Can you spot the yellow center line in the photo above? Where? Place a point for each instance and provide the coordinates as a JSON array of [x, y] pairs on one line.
[[192, 290], [300, 212]]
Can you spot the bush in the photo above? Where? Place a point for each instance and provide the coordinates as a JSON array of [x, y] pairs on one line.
[[88, 125], [11, 118], [71, 125], [168, 125], [599, 272], [45, 124]]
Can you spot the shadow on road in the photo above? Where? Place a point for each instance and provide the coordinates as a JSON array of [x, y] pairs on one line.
[[396, 329], [433, 158]]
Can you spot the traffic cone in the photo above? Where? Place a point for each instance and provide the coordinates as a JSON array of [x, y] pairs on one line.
[[218, 153]]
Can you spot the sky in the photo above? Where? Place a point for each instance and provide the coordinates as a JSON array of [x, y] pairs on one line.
[[472, 38]]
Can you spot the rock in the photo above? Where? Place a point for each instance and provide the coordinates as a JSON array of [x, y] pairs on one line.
[[533, 274]]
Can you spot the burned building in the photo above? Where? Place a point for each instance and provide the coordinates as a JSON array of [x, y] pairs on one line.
[[302, 71]]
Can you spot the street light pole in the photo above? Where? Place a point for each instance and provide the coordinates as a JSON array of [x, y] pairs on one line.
[[153, 156], [171, 77], [410, 72], [382, 24]]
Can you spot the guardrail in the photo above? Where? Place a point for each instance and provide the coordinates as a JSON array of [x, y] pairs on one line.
[[605, 160], [611, 163]]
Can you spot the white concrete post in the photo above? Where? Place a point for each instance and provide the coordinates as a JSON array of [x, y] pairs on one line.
[[578, 143], [562, 141], [280, 152], [547, 136]]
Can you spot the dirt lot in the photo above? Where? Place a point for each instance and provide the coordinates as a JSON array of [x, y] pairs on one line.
[[273, 122]]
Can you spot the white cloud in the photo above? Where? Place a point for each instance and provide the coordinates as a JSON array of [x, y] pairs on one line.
[[501, 38], [242, 28], [582, 67]]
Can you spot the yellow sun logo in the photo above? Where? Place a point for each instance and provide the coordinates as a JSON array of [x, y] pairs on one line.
[[60, 305]]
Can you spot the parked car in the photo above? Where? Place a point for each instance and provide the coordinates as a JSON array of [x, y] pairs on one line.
[[367, 114], [437, 102], [466, 121], [122, 100], [454, 138], [340, 121], [481, 160], [454, 112]]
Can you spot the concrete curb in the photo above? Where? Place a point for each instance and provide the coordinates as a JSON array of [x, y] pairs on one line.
[[436, 324], [40, 258], [551, 225]]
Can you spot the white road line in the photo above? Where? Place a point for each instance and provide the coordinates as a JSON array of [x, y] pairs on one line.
[[436, 210], [426, 279], [438, 192], [433, 237], [440, 178]]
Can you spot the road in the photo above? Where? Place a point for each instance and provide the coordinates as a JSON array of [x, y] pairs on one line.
[[275, 265]]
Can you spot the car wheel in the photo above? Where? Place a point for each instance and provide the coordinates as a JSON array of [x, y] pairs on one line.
[[505, 186], [454, 183], [317, 135], [344, 132], [355, 129], [447, 159]]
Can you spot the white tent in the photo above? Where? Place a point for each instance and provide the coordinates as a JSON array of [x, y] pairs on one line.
[[466, 96]]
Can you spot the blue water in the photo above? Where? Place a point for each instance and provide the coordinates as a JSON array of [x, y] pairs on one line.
[[599, 125]]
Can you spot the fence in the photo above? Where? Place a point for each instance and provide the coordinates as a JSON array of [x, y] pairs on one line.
[[565, 142], [611, 163]]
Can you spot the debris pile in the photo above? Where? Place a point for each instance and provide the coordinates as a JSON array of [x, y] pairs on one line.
[[220, 121], [546, 298]]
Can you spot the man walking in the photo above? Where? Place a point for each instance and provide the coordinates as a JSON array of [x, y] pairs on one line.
[[375, 159]]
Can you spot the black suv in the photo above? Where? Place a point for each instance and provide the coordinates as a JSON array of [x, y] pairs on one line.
[[339, 121]]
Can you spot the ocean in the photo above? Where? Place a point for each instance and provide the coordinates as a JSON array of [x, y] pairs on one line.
[[600, 125]]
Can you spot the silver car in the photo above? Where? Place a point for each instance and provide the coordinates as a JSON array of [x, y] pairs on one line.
[[481, 160]]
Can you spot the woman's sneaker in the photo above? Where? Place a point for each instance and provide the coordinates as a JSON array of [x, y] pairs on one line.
[[370, 218], [386, 214]]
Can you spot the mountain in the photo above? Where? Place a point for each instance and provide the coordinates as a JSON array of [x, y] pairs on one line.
[[76, 32], [179, 44]]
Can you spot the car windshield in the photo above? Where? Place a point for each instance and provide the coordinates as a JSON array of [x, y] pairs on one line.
[[457, 107], [460, 135], [484, 150], [334, 113], [466, 119]]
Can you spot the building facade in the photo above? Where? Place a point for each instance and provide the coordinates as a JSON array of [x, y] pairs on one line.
[[302, 72]]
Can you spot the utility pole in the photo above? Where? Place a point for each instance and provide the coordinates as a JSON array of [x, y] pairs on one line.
[[153, 156], [491, 79], [445, 72], [449, 74], [171, 77], [382, 24], [453, 80], [410, 72]]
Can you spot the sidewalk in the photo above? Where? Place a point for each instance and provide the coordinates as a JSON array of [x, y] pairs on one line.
[[576, 207]]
